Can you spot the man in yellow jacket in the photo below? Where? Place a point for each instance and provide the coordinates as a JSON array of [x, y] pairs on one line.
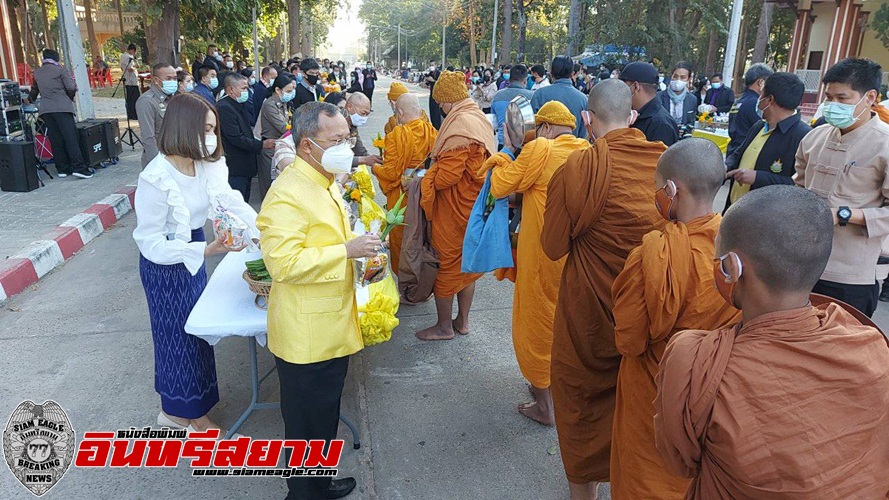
[[307, 244]]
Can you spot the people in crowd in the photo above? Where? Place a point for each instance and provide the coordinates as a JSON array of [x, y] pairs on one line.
[[678, 101], [666, 287], [308, 249], [152, 105], [396, 90], [273, 121], [407, 147], [599, 205], [308, 89], [240, 146], [847, 164], [503, 78], [449, 189], [537, 278], [701, 85], [767, 154], [517, 76], [369, 83], [792, 402], [429, 80], [213, 59], [53, 83], [262, 89], [484, 93], [653, 120], [357, 111], [128, 66], [174, 196], [185, 82], [744, 113], [562, 90], [719, 99], [538, 74], [207, 83]]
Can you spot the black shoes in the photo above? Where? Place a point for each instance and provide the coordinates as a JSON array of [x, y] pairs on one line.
[[83, 174], [340, 487]]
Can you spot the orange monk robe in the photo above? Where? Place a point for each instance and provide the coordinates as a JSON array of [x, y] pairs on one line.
[[407, 146], [791, 405], [537, 277], [392, 122], [450, 187], [666, 287], [595, 221]]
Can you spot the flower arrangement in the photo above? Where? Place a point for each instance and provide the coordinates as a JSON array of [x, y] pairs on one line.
[[363, 181], [706, 118], [351, 194], [376, 318], [380, 143], [394, 217]]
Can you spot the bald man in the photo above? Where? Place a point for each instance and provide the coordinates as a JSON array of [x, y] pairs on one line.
[[357, 110], [666, 286], [396, 90], [407, 146], [793, 402], [598, 207]]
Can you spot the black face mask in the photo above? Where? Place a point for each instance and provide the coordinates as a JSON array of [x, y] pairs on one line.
[[487, 79], [312, 79]]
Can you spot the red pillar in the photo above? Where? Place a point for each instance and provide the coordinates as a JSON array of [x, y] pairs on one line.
[[840, 34], [800, 40], [7, 53]]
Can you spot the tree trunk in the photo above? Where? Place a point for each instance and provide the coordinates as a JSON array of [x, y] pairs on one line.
[[740, 61], [472, 52], [308, 35], [573, 27], [148, 57], [123, 45], [712, 47], [276, 48], [523, 30], [18, 41], [293, 25], [506, 37], [95, 49], [166, 33], [762, 33], [29, 41], [47, 34]]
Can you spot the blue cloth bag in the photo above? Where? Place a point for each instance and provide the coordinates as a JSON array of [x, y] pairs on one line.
[[486, 244]]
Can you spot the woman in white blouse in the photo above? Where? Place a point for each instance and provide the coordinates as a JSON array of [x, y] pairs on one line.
[[174, 197]]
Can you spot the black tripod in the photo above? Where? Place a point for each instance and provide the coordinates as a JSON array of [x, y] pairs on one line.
[[128, 137]]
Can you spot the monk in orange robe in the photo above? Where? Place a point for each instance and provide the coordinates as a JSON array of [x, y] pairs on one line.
[[666, 286], [537, 278], [598, 207], [793, 402], [396, 90], [449, 189], [407, 146]]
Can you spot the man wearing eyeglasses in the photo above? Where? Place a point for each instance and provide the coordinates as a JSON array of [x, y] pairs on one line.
[[357, 111], [308, 247]]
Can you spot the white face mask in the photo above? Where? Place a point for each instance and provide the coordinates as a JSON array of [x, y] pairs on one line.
[[336, 159], [229, 64], [358, 120], [210, 142]]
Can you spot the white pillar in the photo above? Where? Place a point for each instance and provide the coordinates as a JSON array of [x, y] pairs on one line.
[[256, 66], [731, 49], [494, 36], [75, 61]]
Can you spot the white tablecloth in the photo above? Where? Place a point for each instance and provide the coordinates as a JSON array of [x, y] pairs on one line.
[[227, 308]]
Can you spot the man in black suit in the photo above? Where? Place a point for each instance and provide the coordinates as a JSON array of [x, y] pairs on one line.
[[212, 59], [768, 154], [743, 114], [719, 99], [309, 89], [678, 99], [240, 146], [653, 120]]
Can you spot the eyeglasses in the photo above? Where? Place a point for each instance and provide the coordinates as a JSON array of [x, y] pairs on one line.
[[335, 143]]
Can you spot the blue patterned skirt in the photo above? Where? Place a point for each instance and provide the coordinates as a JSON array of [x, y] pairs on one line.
[[184, 365]]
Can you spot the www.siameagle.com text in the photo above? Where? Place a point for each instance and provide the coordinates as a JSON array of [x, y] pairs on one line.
[[245, 472]]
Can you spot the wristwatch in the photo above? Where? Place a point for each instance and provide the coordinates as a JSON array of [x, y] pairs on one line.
[[843, 215]]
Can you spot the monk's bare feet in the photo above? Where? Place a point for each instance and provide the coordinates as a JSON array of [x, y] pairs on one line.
[[534, 411], [435, 333], [459, 328]]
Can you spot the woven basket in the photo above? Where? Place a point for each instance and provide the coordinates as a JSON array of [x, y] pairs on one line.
[[261, 288]]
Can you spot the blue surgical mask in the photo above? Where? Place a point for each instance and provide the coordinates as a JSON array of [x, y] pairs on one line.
[[189, 87], [252, 81], [299, 78], [169, 87], [475, 79], [715, 86], [214, 82], [288, 96], [841, 115], [241, 99]]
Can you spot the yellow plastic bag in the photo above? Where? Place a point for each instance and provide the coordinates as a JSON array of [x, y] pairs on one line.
[[377, 318]]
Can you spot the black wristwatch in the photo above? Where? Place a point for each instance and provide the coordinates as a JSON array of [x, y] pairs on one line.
[[843, 215]]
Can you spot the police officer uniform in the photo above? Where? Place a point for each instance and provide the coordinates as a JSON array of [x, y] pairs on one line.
[[150, 109]]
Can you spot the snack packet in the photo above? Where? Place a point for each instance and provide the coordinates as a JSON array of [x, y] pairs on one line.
[[229, 228], [374, 269]]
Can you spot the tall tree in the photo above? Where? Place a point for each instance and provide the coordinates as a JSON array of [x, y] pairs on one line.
[[762, 33], [521, 8], [166, 29], [573, 27], [293, 19], [123, 45], [473, 60], [506, 37], [18, 41], [95, 49], [47, 34]]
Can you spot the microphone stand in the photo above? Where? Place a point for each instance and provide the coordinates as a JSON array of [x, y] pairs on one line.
[[128, 137]]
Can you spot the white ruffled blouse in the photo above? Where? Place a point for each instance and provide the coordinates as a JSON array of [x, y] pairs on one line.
[[164, 219]]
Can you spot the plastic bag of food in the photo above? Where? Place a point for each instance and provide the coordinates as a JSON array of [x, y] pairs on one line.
[[229, 228], [373, 269]]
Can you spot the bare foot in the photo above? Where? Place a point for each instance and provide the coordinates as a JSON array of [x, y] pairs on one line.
[[459, 328], [533, 411], [435, 333]]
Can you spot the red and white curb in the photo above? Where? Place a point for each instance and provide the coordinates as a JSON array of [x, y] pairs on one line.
[[25, 268]]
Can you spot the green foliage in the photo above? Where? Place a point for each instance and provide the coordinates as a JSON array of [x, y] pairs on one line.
[[880, 24]]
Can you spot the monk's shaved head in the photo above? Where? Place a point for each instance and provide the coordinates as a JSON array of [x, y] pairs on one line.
[[697, 164], [611, 101], [409, 107], [358, 103], [784, 232]]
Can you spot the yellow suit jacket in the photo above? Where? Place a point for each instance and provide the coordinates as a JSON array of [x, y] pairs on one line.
[[304, 226]]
